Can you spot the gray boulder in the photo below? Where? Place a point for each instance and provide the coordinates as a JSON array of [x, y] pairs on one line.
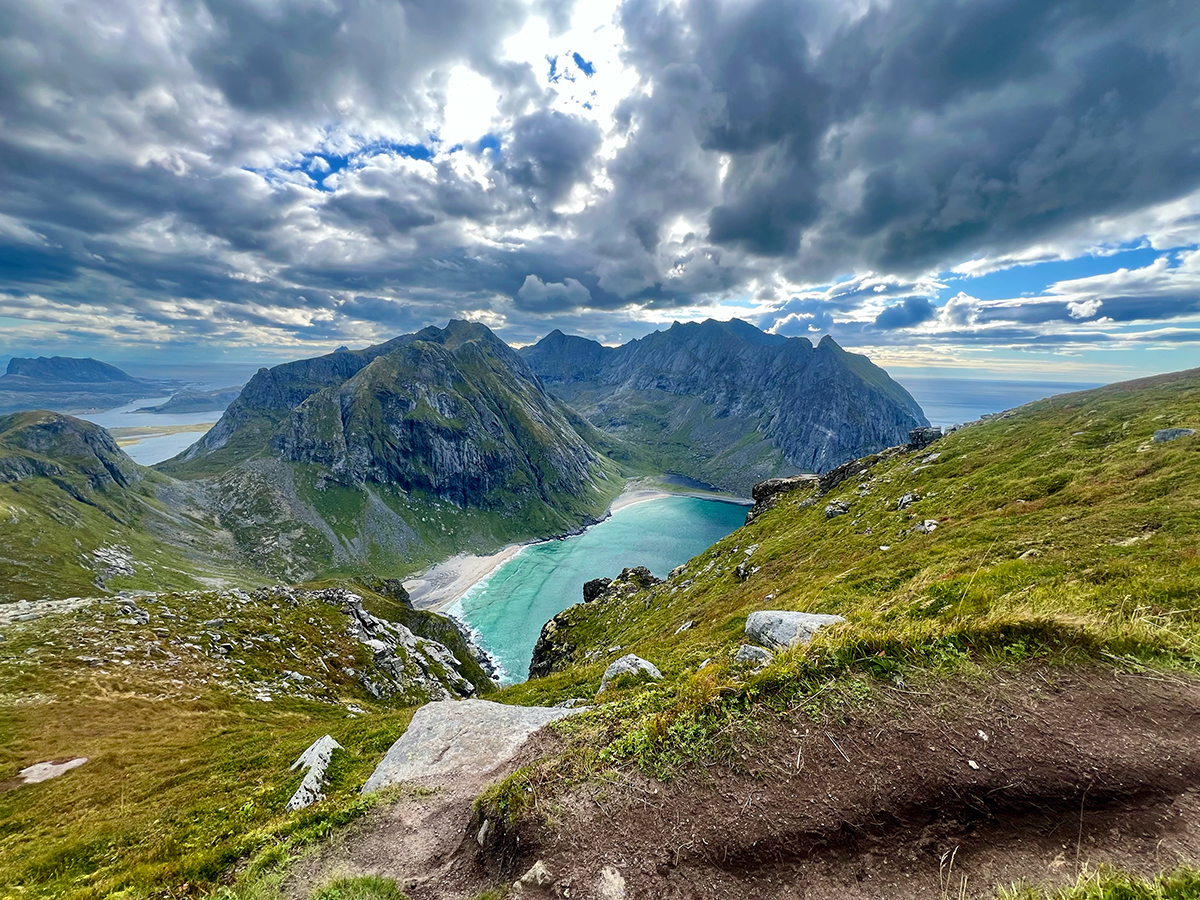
[[629, 664], [780, 628], [460, 737], [1169, 434], [836, 508], [927, 527], [316, 760], [755, 657]]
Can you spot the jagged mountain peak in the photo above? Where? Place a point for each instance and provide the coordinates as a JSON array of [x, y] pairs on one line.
[[729, 403]]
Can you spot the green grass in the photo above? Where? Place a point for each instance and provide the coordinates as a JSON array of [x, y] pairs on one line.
[[363, 887], [1064, 535], [187, 773], [1109, 884]]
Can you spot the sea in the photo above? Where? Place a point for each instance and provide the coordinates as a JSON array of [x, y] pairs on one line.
[[506, 610]]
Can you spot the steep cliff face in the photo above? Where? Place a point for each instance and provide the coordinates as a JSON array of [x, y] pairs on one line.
[[729, 404], [432, 443]]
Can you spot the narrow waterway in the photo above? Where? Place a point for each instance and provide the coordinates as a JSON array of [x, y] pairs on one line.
[[507, 609]]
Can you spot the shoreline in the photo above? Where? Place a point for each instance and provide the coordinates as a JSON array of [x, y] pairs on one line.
[[441, 585]]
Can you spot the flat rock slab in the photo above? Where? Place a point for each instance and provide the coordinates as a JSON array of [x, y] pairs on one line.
[[779, 628], [44, 771], [460, 737]]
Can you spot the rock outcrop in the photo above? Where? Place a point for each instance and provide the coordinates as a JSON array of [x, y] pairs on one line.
[[554, 649], [315, 760], [403, 661], [460, 738], [745, 404], [1162, 435], [778, 629]]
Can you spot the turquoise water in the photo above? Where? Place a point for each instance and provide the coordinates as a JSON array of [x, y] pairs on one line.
[[507, 610]]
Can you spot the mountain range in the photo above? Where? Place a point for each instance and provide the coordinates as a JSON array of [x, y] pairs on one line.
[[728, 404], [443, 441]]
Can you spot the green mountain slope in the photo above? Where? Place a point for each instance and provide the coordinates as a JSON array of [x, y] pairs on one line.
[[1061, 523], [400, 454], [77, 515]]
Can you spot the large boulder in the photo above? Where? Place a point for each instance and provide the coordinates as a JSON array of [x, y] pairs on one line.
[[460, 737], [594, 588], [780, 628], [1170, 434], [629, 664]]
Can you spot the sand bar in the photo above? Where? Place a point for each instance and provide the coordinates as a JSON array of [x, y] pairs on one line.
[[439, 586]]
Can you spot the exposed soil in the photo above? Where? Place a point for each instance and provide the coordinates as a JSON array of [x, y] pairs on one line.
[[904, 799]]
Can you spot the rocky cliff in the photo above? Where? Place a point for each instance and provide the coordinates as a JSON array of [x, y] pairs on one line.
[[729, 404]]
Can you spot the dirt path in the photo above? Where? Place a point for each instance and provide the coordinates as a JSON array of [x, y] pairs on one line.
[[951, 790]]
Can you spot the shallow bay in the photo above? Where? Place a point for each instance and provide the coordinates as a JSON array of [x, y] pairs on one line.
[[507, 610]]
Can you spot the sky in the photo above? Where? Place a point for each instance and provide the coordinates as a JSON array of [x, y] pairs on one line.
[[1007, 188]]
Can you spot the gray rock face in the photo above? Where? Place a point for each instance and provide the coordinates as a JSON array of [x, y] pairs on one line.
[[1170, 434], [779, 628], [767, 493], [920, 438], [836, 508], [403, 661], [465, 737], [316, 760], [814, 407], [594, 588], [629, 664], [755, 657]]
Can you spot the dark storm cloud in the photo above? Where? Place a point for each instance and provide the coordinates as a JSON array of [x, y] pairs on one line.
[[550, 152], [913, 311], [194, 164]]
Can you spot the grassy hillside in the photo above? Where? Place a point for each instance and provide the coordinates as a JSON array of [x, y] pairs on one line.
[[1064, 534], [189, 723], [79, 517]]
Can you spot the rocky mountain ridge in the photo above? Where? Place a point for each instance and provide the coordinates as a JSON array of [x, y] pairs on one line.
[[728, 404]]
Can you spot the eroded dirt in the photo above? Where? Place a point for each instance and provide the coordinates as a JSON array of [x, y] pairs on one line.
[[955, 788]]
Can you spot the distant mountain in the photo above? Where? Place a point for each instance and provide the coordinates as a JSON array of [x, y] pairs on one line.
[[64, 368], [64, 384], [79, 516], [727, 403], [428, 444]]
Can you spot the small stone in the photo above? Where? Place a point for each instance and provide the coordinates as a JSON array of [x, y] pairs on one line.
[[926, 527], [755, 657], [485, 831], [836, 508], [629, 664], [44, 771], [907, 500], [684, 627]]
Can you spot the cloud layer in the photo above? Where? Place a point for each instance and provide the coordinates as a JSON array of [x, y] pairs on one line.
[[297, 172]]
